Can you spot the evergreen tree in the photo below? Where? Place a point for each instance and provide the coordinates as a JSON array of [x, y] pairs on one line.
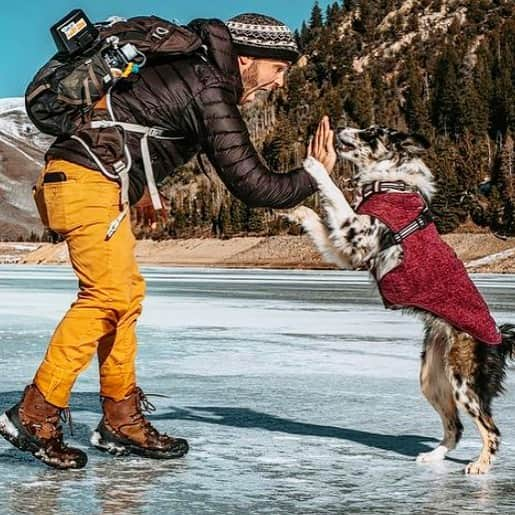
[[446, 94], [473, 112], [333, 15], [359, 103], [349, 5], [316, 20], [416, 109], [304, 36], [503, 94]]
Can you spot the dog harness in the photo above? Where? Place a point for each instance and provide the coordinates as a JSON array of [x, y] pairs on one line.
[[430, 276]]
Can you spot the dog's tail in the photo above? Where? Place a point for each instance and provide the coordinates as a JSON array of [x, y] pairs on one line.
[[508, 340], [492, 360]]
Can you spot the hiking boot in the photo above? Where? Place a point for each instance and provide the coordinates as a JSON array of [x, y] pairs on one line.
[[124, 430], [33, 425]]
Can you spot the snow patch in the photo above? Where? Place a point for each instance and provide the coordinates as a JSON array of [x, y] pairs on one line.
[[492, 258], [15, 123]]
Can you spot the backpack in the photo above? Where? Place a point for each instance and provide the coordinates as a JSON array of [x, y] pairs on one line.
[[65, 90]]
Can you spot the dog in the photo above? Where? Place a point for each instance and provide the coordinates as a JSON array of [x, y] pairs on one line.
[[390, 233]]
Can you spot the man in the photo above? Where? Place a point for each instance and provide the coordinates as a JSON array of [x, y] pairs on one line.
[[196, 97]]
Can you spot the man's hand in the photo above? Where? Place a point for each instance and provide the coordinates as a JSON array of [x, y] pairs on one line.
[[321, 145]]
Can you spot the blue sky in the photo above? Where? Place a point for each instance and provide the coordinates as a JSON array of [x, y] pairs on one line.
[[26, 43]]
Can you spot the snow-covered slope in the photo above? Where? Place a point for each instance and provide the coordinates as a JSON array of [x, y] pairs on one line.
[[15, 123], [22, 149]]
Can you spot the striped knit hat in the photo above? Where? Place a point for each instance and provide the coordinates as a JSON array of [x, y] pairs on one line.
[[257, 35]]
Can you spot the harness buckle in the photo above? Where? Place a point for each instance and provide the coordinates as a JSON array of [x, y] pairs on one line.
[[154, 132]]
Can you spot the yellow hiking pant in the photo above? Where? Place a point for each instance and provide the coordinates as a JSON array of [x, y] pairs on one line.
[[111, 288]]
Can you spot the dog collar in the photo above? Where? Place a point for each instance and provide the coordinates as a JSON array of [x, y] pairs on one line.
[[383, 187]]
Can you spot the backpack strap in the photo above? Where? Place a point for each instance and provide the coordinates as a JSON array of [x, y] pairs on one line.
[[146, 132]]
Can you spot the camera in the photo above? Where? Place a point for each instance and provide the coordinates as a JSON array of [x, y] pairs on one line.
[[118, 57], [74, 33]]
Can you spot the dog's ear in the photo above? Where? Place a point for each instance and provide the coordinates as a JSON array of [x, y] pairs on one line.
[[414, 144]]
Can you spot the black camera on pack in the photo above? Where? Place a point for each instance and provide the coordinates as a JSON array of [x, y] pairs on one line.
[[75, 34]]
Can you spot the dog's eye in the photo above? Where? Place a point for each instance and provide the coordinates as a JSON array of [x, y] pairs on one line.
[[367, 136]]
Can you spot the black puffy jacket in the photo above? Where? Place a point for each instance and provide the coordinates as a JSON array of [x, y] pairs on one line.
[[196, 97]]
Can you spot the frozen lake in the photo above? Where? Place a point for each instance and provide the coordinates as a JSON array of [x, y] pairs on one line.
[[297, 392]]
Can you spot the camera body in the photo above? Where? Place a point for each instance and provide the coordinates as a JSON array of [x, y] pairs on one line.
[[75, 34], [118, 57]]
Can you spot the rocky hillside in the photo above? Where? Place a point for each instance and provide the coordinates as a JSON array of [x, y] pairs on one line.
[[442, 68], [21, 158]]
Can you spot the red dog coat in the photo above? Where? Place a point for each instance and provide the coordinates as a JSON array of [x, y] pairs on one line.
[[430, 276]]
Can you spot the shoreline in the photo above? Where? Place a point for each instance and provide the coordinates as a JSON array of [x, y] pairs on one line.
[[479, 251]]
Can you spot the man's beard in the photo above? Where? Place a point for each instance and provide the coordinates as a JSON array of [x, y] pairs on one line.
[[250, 79]]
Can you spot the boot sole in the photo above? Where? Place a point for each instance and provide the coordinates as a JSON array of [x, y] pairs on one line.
[[117, 449], [12, 433]]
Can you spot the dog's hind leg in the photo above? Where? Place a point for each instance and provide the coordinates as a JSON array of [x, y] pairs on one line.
[[476, 373], [318, 232], [438, 391]]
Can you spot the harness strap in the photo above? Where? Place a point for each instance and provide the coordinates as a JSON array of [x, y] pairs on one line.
[[422, 220], [147, 132], [395, 238], [122, 169]]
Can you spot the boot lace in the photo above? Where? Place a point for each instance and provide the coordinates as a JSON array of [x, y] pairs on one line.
[[145, 406], [66, 418], [52, 427]]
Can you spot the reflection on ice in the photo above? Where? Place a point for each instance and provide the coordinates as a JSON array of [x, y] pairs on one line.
[[297, 390]]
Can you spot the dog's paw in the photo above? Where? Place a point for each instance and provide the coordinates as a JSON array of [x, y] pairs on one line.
[[433, 456], [477, 468], [315, 168], [297, 215]]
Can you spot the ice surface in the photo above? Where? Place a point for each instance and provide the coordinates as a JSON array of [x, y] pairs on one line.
[[297, 392]]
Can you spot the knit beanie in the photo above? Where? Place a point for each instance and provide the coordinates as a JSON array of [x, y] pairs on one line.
[[256, 35]]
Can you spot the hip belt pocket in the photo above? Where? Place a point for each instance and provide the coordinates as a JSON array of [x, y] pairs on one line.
[[58, 201]]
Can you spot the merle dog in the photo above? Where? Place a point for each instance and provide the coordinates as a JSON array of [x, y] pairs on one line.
[[390, 232]]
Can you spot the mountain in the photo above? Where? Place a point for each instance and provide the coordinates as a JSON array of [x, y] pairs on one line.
[[441, 68], [22, 149]]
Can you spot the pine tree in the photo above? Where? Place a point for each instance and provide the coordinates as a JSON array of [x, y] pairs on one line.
[[502, 206], [473, 112], [483, 84], [503, 94], [416, 110], [349, 5], [255, 220], [365, 22], [333, 15], [316, 20], [304, 36], [446, 94], [360, 102]]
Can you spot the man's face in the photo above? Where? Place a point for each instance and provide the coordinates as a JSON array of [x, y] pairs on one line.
[[261, 75]]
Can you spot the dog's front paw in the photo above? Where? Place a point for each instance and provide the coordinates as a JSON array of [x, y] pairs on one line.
[[297, 215], [433, 456], [314, 167]]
